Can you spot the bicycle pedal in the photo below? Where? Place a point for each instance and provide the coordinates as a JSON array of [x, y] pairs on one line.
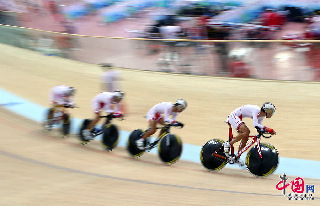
[[94, 134], [231, 160]]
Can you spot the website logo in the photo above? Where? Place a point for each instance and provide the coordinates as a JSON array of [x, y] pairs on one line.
[[300, 191]]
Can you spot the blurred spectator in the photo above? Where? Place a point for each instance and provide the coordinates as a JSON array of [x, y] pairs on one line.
[[198, 28], [238, 68], [222, 48], [54, 9], [110, 82], [64, 43], [153, 32], [272, 19], [109, 78], [70, 28], [313, 29], [313, 56], [294, 14], [171, 32]]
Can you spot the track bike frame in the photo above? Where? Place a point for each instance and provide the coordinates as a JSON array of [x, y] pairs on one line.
[[58, 116], [105, 125], [255, 139], [165, 130]]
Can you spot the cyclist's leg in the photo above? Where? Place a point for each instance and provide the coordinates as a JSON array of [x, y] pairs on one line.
[[97, 108], [244, 139], [51, 113], [243, 135], [241, 128], [88, 132], [153, 119], [162, 122], [49, 122], [55, 108], [65, 116], [96, 119], [151, 131]]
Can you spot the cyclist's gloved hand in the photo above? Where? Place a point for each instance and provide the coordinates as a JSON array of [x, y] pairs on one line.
[[259, 130], [177, 124], [69, 106], [117, 115], [271, 131]]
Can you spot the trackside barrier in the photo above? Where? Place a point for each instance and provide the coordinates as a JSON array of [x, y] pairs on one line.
[[260, 59]]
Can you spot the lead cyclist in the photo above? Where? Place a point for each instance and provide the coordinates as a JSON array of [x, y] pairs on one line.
[[257, 114]]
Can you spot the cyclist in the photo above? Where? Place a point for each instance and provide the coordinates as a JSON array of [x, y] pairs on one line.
[[110, 78], [103, 101], [110, 81], [257, 114], [60, 98], [160, 113]]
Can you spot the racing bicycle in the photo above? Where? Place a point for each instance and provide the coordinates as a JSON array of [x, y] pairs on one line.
[[261, 160], [61, 119], [109, 131], [169, 145]]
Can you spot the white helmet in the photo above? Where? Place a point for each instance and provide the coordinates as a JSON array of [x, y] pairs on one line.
[[119, 94], [268, 108], [70, 91], [181, 103]]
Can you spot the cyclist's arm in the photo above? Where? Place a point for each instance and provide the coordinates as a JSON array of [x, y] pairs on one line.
[[117, 109], [108, 108], [256, 122], [174, 117], [167, 120]]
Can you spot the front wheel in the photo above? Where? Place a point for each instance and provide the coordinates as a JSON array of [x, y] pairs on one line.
[[132, 146], [170, 149], [212, 156], [110, 137], [266, 165], [84, 125]]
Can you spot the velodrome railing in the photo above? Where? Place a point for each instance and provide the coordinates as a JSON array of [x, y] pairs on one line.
[[263, 59]]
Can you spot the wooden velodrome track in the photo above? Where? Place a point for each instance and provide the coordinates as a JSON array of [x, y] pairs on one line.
[[41, 169]]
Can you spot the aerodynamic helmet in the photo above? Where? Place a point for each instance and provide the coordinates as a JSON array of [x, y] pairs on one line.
[[268, 108], [70, 91], [118, 94], [181, 103]]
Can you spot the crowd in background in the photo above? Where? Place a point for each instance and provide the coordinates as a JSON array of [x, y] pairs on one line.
[[194, 21]]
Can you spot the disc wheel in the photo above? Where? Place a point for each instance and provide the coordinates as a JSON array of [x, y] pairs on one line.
[[266, 165], [110, 137], [84, 125], [211, 160], [131, 144], [170, 149]]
